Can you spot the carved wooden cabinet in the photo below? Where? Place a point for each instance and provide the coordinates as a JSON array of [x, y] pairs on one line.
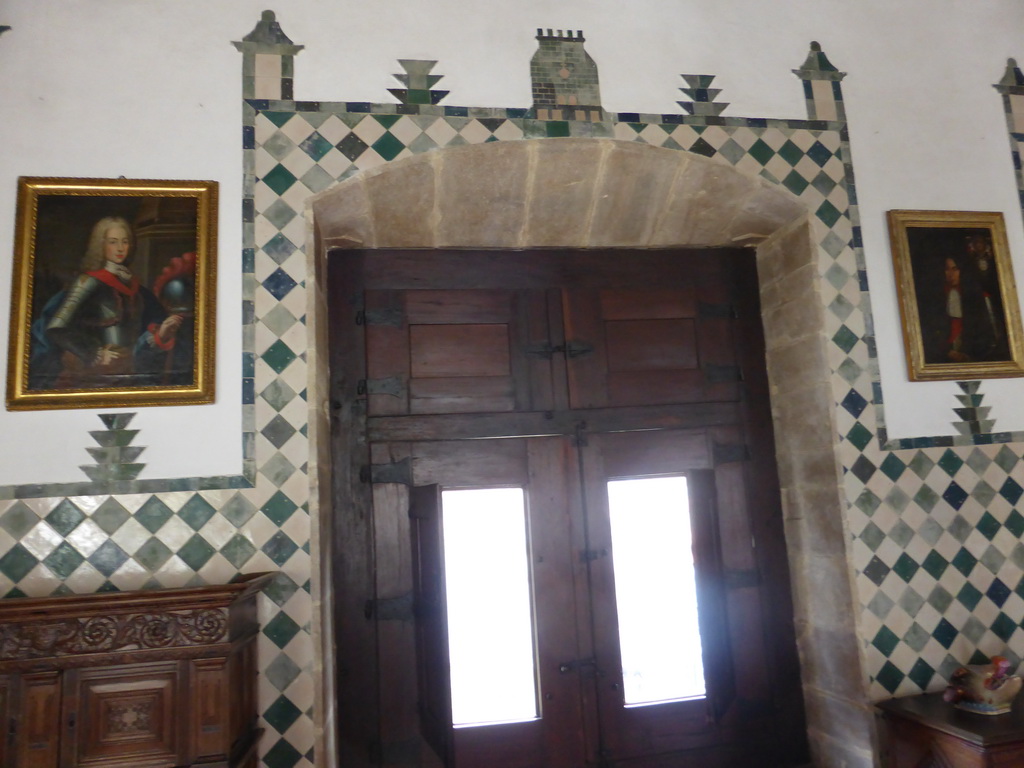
[[155, 679]]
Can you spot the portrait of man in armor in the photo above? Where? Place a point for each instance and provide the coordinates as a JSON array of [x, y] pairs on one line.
[[115, 302]]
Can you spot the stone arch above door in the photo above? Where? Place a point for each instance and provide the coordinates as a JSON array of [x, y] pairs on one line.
[[598, 193]]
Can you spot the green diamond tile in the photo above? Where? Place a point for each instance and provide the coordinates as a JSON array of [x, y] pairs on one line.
[[872, 536], [238, 510], [905, 567], [897, 499], [892, 467], [387, 121], [950, 463], [795, 183], [279, 508], [940, 599], [281, 588], [978, 460], [18, 520], [278, 394], [885, 641], [824, 183], [282, 714], [196, 512], [1011, 490], [278, 356], [983, 493], [901, 533], [278, 431], [278, 118], [964, 562], [279, 179], [1004, 627], [921, 464], [1015, 523], [859, 436], [889, 677], [108, 558], [281, 629], [979, 657], [281, 672], [917, 637], [868, 502], [960, 529], [988, 526], [828, 213], [935, 565], [921, 674], [316, 146], [153, 514], [279, 213], [153, 554], [992, 558], [196, 552], [761, 152], [63, 560], [110, 515], [926, 498], [17, 563], [1006, 459], [238, 550], [969, 595], [65, 517], [845, 339], [791, 153], [388, 146], [280, 547], [282, 755]]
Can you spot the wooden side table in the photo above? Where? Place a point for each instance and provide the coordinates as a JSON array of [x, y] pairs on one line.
[[925, 731]]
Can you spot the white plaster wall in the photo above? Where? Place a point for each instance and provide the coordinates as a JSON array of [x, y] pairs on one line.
[[151, 90]]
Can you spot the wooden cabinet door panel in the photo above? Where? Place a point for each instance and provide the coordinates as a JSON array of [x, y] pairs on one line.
[[128, 716], [6, 721], [37, 739], [209, 725]]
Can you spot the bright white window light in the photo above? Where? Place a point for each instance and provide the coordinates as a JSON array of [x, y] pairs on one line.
[[490, 628], [655, 590]]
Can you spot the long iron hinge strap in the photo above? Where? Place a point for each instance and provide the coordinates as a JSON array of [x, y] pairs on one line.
[[396, 472]]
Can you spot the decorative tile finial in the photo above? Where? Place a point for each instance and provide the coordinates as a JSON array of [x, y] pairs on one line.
[[822, 90], [268, 31], [418, 83], [703, 97], [1012, 77], [974, 417], [115, 456]]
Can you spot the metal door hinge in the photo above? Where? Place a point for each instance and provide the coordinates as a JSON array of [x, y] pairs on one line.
[[390, 608], [396, 472], [385, 316], [590, 555], [574, 349], [727, 453], [392, 385], [717, 374]]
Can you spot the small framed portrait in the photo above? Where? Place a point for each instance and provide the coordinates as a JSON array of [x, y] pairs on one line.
[[958, 300], [113, 294]]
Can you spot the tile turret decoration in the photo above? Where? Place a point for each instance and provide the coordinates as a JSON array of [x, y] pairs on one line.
[[698, 88], [565, 82]]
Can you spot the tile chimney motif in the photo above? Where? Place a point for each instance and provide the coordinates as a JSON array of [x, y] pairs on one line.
[[565, 83]]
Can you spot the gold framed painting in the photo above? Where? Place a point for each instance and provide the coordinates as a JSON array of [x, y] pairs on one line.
[[113, 296], [958, 300]]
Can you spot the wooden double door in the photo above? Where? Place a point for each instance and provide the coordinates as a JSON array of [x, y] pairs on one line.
[[555, 373]]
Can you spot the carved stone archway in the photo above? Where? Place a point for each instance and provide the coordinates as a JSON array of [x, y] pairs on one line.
[[599, 193]]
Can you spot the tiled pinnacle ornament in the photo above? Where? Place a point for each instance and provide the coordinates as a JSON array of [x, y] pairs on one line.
[[115, 456], [703, 96], [565, 83], [974, 416], [418, 83]]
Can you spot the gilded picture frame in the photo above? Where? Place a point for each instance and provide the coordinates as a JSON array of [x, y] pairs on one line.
[[957, 296], [113, 294]]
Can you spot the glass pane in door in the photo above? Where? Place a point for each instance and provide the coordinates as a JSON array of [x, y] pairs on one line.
[[655, 590], [490, 626]]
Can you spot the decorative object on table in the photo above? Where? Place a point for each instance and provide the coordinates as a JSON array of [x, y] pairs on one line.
[[112, 300], [958, 300], [987, 690]]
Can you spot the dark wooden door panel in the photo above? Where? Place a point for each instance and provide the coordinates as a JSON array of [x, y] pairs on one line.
[[210, 728], [37, 739], [128, 714], [589, 366]]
